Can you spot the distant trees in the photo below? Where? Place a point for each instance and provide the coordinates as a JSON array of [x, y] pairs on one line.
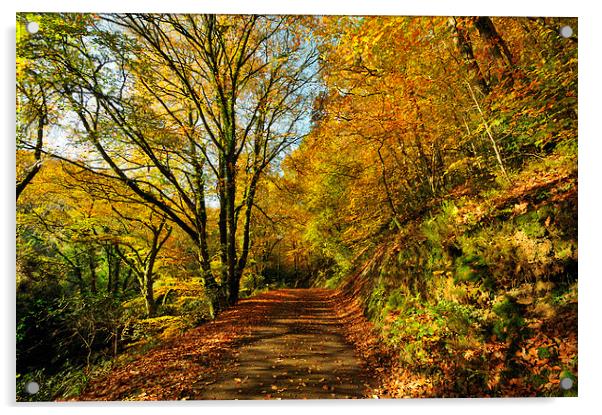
[[139, 247]]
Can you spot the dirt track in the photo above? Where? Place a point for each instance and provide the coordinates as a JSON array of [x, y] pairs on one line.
[[284, 344], [297, 352]]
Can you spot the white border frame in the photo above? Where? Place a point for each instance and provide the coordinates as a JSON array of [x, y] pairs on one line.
[[590, 151]]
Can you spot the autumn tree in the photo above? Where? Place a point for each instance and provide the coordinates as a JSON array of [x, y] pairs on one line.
[[33, 121], [172, 104], [416, 107], [140, 249], [65, 232], [35, 104]]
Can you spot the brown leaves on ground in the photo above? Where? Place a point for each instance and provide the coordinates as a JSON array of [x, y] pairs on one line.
[[561, 185], [278, 345], [285, 344], [364, 337], [530, 366], [165, 373]]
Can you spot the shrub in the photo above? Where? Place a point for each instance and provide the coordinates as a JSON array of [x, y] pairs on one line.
[[68, 382], [510, 318]]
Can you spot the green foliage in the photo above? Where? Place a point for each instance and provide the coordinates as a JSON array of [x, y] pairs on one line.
[[531, 224], [60, 336], [420, 329], [194, 310], [460, 318], [396, 300], [251, 283], [53, 331], [145, 330], [472, 278], [375, 302], [563, 294], [335, 280], [441, 227], [67, 383], [176, 314], [510, 320]]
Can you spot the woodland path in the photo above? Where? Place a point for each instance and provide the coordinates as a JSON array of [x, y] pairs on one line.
[[283, 344], [297, 352]]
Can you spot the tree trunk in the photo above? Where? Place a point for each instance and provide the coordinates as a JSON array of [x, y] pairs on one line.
[[92, 268], [499, 48], [494, 145], [80, 279], [126, 280], [464, 44], [233, 275], [37, 157], [246, 244], [109, 268], [234, 288], [149, 295], [427, 166], [201, 217], [217, 292], [116, 273], [390, 202]]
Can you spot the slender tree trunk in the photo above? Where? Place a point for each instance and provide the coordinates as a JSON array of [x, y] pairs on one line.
[[109, 268], [126, 280], [148, 274], [246, 244], [92, 268], [218, 292], [80, 279], [116, 273], [149, 294], [426, 163], [498, 156], [387, 190], [234, 286], [233, 274], [201, 217], [203, 246], [200, 209]]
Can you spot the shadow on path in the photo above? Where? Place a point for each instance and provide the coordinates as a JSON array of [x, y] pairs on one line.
[[297, 351]]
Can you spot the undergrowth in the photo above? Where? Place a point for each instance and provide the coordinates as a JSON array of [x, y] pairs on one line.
[[479, 297], [181, 306]]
